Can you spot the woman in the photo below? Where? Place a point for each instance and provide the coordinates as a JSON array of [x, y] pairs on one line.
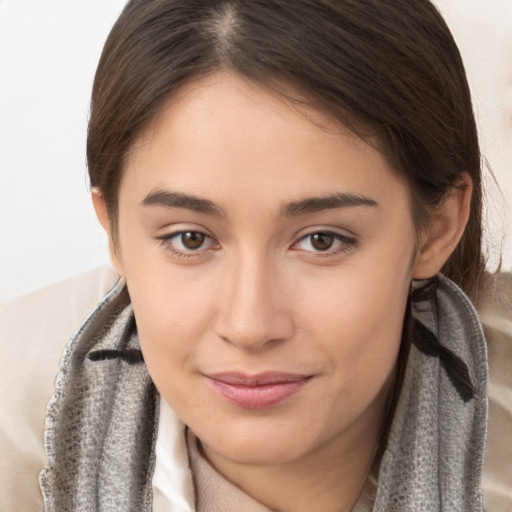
[[281, 183]]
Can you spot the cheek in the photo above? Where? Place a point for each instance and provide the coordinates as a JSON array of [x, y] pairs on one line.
[[168, 315], [357, 318], [173, 311], [171, 329], [363, 300]]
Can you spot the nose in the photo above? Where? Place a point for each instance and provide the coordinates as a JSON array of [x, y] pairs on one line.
[[253, 310]]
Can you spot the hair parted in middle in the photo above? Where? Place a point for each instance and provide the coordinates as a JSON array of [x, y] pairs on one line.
[[389, 70]]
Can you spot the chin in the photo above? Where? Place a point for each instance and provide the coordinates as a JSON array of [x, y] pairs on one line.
[[257, 444]]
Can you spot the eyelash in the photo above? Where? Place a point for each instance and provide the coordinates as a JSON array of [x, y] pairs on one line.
[[166, 241], [346, 243]]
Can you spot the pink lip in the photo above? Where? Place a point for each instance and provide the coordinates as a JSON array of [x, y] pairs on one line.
[[257, 391]]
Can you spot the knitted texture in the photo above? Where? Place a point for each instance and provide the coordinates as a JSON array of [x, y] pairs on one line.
[[435, 452], [102, 420]]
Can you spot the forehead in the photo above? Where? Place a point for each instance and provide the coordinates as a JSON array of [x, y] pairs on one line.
[[227, 133]]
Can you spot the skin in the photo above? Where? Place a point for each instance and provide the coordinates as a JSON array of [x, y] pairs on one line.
[[257, 294]]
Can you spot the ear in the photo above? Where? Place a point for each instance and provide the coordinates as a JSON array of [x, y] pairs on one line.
[[102, 213], [446, 230]]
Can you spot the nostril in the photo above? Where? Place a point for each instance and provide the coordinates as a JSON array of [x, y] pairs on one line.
[[244, 336], [254, 335]]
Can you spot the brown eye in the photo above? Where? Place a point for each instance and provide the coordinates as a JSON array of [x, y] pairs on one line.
[[325, 243], [193, 240], [188, 243], [322, 241]]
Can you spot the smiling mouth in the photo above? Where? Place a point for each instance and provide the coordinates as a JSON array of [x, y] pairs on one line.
[[257, 391]]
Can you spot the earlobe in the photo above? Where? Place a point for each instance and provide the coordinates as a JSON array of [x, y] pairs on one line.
[[446, 230], [102, 214]]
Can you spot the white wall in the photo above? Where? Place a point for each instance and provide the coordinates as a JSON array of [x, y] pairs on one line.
[[48, 53], [483, 31]]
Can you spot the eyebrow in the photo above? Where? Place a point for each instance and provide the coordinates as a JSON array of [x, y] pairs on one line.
[[169, 199], [328, 202], [179, 200]]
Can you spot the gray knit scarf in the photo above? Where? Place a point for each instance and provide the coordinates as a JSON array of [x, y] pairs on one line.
[[102, 420]]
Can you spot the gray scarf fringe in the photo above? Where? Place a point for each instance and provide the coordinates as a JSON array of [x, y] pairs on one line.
[[102, 421]]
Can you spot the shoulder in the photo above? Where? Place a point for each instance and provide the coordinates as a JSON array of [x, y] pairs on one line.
[[495, 311], [34, 330]]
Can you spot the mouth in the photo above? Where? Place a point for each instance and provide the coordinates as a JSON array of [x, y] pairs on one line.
[[257, 391]]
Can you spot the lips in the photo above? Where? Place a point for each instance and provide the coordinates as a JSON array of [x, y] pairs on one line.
[[257, 391]]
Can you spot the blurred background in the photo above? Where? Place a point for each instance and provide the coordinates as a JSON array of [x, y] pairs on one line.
[[48, 54]]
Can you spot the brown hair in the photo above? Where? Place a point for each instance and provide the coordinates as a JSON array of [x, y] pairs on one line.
[[387, 69]]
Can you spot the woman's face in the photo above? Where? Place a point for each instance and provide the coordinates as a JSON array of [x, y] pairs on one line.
[[267, 253]]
